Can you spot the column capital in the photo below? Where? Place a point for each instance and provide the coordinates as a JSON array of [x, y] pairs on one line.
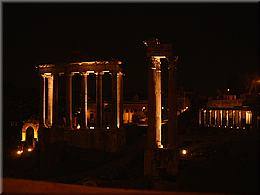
[[120, 74], [85, 73], [47, 75], [99, 73], [155, 63], [69, 74]]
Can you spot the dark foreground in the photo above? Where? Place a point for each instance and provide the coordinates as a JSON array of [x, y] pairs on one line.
[[223, 161]]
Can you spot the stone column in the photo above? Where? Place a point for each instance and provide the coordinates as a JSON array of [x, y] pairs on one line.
[[43, 101], [50, 100], [99, 101], [154, 104], [227, 117], [56, 99], [210, 118], [69, 99], [84, 100], [119, 102], [204, 118], [114, 100], [172, 105]]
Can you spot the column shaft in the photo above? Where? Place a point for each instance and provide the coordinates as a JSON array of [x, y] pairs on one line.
[[99, 100], [50, 100], [119, 100], [84, 100], [69, 99], [154, 92]]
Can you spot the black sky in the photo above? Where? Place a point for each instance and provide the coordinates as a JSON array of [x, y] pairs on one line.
[[217, 43]]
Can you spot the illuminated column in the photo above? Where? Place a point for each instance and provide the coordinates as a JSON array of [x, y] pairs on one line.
[[99, 101], [50, 100], [227, 118], [84, 100], [221, 118], [154, 112], [215, 117], [119, 99], [43, 101], [239, 118], [69, 99], [233, 118], [56, 98], [204, 118], [210, 117], [172, 105]]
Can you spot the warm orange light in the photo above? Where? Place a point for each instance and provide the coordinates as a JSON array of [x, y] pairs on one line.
[[78, 126], [19, 152], [29, 149], [184, 151]]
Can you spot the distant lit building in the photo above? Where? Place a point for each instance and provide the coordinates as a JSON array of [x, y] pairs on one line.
[[231, 111]]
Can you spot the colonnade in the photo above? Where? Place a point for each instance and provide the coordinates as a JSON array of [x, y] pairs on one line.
[[225, 118], [49, 99]]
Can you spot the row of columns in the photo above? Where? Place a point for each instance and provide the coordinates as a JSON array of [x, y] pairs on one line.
[[51, 119], [228, 118]]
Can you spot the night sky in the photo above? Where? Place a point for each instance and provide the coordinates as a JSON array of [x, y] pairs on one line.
[[217, 43]]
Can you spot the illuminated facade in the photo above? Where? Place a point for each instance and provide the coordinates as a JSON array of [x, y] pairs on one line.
[[51, 75], [87, 129], [228, 112]]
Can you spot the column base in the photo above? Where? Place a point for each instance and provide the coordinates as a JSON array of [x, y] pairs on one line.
[[160, 163]]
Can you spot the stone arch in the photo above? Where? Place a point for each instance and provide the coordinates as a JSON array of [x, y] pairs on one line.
[[33, 124]]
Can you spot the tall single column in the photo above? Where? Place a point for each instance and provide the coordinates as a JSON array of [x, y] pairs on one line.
[[215, 118], [99, 100], [221, 118], [119, 103], [43, 101], [69, 99], [56, 98], [114, 100], [84, 100], [50, 101], [210, 117], [205, 118], [154, 92], [227, 117], [172, 104]]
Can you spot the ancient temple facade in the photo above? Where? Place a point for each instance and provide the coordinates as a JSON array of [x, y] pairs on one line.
[[56, 81]]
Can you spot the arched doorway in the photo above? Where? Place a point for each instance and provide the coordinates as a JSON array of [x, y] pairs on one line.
[[30, 132], [29, 142]]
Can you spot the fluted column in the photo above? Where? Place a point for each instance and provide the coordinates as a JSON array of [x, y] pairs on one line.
[[50, 101], [154, 95], [172, 105], [99, 99], [69, 99], [119, 100], [84, 100]]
